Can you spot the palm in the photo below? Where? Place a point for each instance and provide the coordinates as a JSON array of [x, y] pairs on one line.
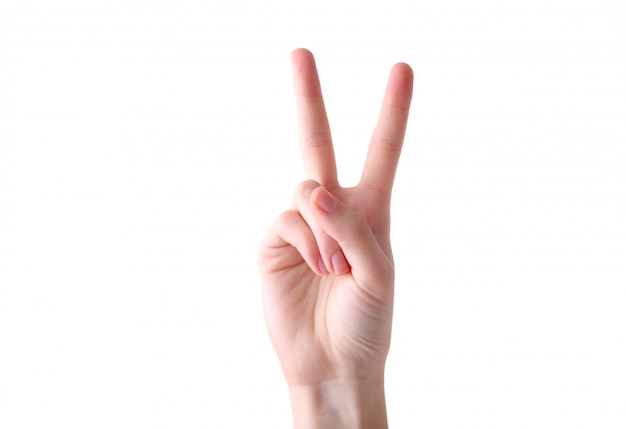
[[322, 326], [324, 320]]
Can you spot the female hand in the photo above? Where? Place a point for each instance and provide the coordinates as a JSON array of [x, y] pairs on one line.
[[326, 265]]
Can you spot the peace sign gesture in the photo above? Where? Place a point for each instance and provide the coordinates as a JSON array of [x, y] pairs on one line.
[[326, 265]]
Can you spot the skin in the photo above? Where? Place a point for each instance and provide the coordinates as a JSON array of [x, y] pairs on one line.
[[326, 265]]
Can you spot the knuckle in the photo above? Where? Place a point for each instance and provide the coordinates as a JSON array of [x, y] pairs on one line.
[[317, 139], [303, 191], [360, 226], [287, 218], [374, 187], [387, 144]]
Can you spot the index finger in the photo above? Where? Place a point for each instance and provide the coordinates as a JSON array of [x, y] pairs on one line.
[[386, 144], [313, 128]]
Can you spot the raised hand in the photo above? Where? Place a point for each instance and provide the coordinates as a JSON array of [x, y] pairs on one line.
[[327, 269]]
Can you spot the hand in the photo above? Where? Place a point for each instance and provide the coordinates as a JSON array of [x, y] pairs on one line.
[[326, 265]]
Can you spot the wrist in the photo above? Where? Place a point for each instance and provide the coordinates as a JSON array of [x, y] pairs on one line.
[[340, 404]]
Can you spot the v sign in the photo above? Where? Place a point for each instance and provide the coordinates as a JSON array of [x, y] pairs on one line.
[[326, 264]]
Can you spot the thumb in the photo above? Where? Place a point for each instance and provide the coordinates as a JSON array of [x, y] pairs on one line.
[[369, 264]]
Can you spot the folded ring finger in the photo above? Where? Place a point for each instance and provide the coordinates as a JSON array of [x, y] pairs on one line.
[[331, 252]]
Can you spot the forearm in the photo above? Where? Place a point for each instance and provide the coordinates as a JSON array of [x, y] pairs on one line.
[[340, 405]]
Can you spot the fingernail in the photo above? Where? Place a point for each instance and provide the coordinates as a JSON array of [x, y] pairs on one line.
[[322, 266], [340, 265], [325, 201]]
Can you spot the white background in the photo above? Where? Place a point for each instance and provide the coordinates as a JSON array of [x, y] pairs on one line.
[[146, 146]]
